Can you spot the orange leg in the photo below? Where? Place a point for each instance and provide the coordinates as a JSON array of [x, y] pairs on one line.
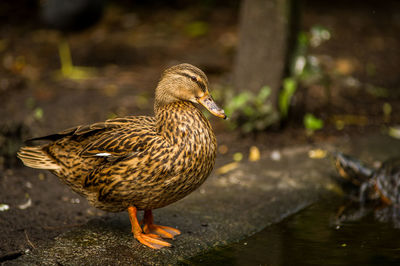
[[150, 240], [163, 231]]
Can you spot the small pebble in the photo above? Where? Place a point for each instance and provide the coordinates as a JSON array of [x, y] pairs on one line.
[[4, 207], [25, 205], [41, 176], [75, 201], [28, 184], [317, 154], [394, 132], [276, 155], [237, 156], [222, 149], [254, 154]]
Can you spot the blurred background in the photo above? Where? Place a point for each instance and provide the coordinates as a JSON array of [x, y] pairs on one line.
[[290, 71]]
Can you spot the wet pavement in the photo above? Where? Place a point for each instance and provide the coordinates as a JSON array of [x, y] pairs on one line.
[[226, 209]]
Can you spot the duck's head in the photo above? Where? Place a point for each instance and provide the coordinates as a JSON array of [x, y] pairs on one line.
[[185, 82]]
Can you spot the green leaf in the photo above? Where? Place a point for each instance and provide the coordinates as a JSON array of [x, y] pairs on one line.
[[312, 123], [289, 88], [264, 93], [38, 113], [241, 99], [302, 39], [237, 103]]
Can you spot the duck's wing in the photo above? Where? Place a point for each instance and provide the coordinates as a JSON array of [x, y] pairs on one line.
[[112, 139], [126, 136]]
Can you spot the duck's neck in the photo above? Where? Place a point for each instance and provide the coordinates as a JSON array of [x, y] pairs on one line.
[[161, 97], [180, 121]]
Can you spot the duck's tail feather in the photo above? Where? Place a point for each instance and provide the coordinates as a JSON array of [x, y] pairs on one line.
[[36, 157]]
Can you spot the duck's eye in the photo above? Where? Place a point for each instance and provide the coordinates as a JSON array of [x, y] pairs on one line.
[[193, 78]]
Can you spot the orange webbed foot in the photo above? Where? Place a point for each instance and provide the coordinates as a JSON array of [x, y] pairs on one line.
[[163, 231], [151, 240], [151, 234]]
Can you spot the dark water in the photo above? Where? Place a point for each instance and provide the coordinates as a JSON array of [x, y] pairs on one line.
[[312, 238]]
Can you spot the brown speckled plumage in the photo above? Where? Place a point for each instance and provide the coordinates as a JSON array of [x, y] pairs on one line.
[[138, 161]]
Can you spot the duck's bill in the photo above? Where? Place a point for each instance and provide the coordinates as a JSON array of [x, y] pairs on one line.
[[208, 102]]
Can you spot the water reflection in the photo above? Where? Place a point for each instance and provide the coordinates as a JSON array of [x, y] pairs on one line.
[[312, 237]]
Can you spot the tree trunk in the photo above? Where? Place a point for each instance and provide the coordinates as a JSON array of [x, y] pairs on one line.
[[263, 46]]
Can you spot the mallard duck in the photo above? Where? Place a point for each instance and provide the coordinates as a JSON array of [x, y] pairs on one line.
[[139, 162]]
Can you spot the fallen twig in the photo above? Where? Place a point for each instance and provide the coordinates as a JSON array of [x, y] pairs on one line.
[[27, 240]]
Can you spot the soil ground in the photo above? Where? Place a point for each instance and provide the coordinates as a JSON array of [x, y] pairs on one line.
[[129, 48]]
